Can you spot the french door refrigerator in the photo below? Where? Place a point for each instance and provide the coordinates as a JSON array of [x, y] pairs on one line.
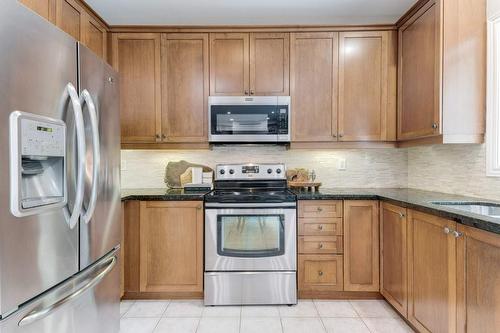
[[59, 181]]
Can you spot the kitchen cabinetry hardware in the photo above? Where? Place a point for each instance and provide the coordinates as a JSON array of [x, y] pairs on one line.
[[457, 234], [320, 273], [446, 230], [320, 227], [320, 209], [401, 215], [320, 246], [435, 126]]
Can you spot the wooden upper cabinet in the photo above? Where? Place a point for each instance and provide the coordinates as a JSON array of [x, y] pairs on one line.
[[171, 247], [361, 245], [94, 36], [229, 59], [442, 73], [184, 87], [269, 64], [136, 56], [478, 257], [419, 70], [44, 8], [393, 256], [313, 86], [70, 17], [432, 273], [367, 86]]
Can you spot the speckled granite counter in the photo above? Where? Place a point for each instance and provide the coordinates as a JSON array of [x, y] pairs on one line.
[[161, 194], [414, 199]]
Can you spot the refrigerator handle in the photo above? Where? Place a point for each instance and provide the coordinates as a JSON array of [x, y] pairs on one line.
[[86, 98], [95, 276], [70, 92]]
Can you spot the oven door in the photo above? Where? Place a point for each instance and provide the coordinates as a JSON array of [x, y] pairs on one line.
[[250, 239]]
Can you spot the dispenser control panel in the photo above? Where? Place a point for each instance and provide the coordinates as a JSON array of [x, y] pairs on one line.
[[40, 138]]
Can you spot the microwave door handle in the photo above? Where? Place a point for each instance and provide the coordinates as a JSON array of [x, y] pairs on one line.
[[70, 92], [86, 98]]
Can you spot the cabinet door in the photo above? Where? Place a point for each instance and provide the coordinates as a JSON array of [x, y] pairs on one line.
[[229, 64], [419, 74], [478, 258], [361, 246], [171, 246], [393, 257], [269, 64], [70, 17], [314, 78], [320, 273], [432, 273], [44, 8], [184, 87], [137, 59], [94, 36], [363, 86]]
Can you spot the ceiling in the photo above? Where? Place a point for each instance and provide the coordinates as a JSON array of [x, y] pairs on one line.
[[254, 12]]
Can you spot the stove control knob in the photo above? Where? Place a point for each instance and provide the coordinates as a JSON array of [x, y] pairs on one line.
[[231, 171], [269, 170], [222, 171], [278, 171]]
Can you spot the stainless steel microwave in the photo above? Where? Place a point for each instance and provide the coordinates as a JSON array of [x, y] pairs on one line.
[[249, 119]]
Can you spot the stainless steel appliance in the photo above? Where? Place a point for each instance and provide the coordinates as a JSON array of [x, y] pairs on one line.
[[60, 195], [250, 237], [249, 119]]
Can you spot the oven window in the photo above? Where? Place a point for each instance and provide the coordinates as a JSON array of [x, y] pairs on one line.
[[250, 119], [250, 236]]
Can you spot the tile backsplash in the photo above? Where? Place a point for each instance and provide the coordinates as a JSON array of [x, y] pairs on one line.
[[457, 169], [365, 168]]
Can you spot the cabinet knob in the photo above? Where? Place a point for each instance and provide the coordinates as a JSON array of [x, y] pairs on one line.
[[446, 230], [157, 136], [334, 135], [319, 209], [320, 227], [320, 246], [401, 215], [457, 234], [252, 92], [435, 125], [320, 273], [199, 207], [246, 92], [163, 136], [341, 135]]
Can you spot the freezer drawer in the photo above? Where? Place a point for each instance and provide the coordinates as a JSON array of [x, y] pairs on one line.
[[250, 288]]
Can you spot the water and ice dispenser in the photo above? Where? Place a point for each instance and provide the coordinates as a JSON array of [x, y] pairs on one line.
[[37, 163]]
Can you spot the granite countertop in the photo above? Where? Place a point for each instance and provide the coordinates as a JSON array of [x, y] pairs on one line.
[[408, 198], [161, 194], [414, 199]]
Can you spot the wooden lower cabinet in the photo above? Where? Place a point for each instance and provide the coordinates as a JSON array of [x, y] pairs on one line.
[[361, 245], [320, 273], [163, 249], [478, 283], [432, 273], [393, 256]]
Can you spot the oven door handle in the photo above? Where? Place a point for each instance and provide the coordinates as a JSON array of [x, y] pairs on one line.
[[218, 205]]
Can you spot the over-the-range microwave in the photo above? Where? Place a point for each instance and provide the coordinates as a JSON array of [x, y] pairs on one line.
[[249, 119]]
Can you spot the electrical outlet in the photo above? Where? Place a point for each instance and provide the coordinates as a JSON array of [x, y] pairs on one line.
[[342, 164]]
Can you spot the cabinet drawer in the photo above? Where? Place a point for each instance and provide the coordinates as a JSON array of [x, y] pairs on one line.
[[320, 244], [321, 273], [320, 208], [320, 227]]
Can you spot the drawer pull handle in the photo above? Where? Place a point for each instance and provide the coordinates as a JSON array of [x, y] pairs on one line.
[[320, 246], [320, 227], [320, 273], [320, 209]]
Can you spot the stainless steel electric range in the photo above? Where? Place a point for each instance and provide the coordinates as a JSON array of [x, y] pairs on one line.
[[250, 237]]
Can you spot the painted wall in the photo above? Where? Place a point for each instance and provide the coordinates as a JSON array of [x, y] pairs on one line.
[[365, 168]]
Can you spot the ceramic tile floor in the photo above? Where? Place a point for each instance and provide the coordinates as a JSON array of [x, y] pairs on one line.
[[309, 316]]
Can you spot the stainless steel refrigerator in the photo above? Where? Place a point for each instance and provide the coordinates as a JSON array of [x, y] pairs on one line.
[[59, 181]]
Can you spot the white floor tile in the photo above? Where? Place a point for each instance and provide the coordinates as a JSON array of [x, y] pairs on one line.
[[387, 325], [147, 309], [374, 309], [335, 309], [138, 325], [185, 308], [304, 308], [177, 325], [302, 325], [345, 325], [260, 311], [222, 311], [260, 325], [219, 325], [125, 306]]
